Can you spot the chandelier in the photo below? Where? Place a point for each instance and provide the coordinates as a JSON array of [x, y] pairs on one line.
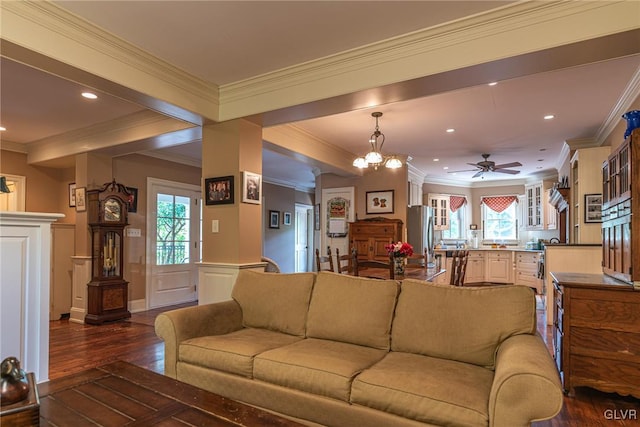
[[375, 157]]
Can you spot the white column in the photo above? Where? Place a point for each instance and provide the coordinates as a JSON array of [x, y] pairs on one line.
[[25, 265]]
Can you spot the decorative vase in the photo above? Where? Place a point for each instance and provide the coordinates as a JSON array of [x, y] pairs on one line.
[[398, 266], [633, 121]]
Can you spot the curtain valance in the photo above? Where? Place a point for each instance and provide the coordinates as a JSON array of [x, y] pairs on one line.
[[456, 202], [499, 203]]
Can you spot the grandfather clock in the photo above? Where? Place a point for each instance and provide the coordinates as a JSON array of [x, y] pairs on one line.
[[107, 293]]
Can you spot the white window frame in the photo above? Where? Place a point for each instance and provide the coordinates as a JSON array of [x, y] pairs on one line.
[[487, 240]]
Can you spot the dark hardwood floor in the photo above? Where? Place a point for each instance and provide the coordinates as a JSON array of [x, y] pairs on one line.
[[75, 347]]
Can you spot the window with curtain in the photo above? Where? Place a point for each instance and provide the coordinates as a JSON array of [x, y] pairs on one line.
[[457, 226], [500, 218]]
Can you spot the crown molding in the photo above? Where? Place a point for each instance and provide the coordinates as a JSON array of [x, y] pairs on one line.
[[563, 158], [429, 51], [174, 158], [628, 97], [580, 143], [43, 26], [288, 184], [14, 146]]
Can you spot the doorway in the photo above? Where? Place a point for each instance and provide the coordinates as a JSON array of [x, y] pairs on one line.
[[303, 230], [173, 243]]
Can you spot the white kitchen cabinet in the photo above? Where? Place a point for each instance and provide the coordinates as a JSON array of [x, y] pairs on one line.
[[538, 214], [440, 205], [499, 265], [475, 267], [526, 273]]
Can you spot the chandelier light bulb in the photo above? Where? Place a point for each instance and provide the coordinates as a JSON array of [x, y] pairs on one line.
[[375, 157], [360, 163]]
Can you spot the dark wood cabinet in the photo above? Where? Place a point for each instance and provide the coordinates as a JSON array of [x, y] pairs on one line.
[[620, 247], [370, 236], [596, 333]]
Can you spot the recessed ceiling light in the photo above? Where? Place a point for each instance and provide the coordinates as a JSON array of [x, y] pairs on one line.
[[446, 167], [549, 117], [2, 128], [493, 83], [89, 95], [436, 160], [450, 130]]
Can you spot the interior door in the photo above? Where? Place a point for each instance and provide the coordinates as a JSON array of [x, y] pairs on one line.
[[173, 246], [302, 240]]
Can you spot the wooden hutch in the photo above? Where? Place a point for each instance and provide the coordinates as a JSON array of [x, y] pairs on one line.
[[370, 236], [596, 336]]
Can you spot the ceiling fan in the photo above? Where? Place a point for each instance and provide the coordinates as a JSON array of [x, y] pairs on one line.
[[488, 166]]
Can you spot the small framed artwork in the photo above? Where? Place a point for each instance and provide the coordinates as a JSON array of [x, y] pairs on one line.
[[593, 208], [379, 202], [286, 218], [251, 187], [81, 203], [219, 191], [316, 216], [132, 200], [72, 195], [274, 219]]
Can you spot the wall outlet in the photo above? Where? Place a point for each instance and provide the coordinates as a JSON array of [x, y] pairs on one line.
[[133, 232]]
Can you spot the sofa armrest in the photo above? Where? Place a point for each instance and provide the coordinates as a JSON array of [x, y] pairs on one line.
[[176, 326], [526, 386]]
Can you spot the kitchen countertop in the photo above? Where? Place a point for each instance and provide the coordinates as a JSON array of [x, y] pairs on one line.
[[489, 248]]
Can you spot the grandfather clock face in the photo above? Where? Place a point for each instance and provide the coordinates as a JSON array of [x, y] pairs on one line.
[[112, 210]]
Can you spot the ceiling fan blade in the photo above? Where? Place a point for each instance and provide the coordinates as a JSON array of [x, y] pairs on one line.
[[507, 165], [509, 171], [474, 164], [478, 174], [466, 170]]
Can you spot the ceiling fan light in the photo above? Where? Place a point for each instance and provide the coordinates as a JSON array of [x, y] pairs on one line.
[[393, 163], [373, 157], [360, 163]]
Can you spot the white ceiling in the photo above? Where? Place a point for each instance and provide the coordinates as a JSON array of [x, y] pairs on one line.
[[227, 41]]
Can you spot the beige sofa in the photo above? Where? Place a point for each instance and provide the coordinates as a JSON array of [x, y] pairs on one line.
[[347, 351]]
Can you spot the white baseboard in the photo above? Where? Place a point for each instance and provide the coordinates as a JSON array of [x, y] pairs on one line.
[[138, 305]]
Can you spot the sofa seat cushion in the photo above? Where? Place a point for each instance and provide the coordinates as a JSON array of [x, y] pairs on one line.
[[232, 352], [426, 389], [316, 366]]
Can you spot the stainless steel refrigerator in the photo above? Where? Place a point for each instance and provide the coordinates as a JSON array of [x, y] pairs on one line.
[[420, 230]]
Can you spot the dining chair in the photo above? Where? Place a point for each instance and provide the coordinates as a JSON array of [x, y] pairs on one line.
[[417, 260], [324, 263], [380, 266], [458, 267], [343, 262]]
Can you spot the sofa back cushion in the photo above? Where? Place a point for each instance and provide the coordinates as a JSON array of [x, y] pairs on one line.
[[278, 302], [352, 309], [458, 323]]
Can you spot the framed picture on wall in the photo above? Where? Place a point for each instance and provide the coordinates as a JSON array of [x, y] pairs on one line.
[[72, 195], [251, 187], [219, 191], [132, 201], [379, 202], [274, 219], [286, 218], [593, 208], [81, 203]]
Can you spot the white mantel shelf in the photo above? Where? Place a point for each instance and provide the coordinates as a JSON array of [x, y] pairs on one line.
[[25, 259]]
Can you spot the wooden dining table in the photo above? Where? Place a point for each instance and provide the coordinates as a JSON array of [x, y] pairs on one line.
[[426, 274]]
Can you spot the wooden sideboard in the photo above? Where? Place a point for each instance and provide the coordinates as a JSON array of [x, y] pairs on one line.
[[370, 236], [596, 333]]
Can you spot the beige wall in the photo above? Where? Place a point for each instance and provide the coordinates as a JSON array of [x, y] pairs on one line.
[[47, 189]]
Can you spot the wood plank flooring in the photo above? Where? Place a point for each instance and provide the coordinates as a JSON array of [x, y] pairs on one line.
[[75, 347]]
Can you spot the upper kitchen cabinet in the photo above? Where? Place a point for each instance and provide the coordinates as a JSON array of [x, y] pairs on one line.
[[440, 205], [586, 194], [538, 215], [620, 247]]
